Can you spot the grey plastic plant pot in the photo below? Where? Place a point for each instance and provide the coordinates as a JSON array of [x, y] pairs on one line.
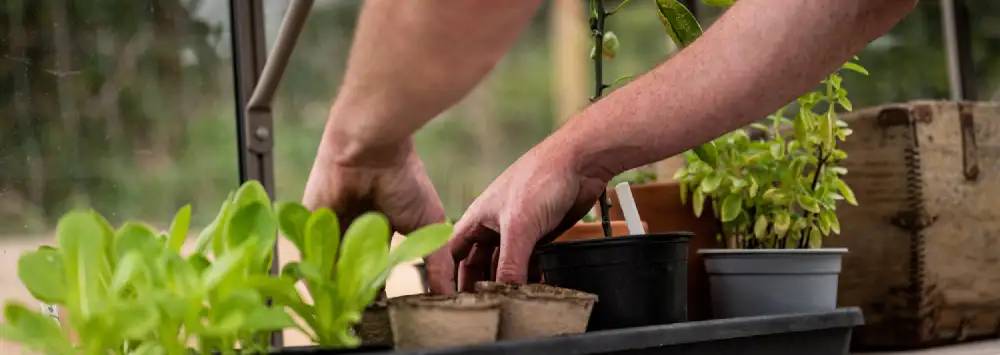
[[751, 282]]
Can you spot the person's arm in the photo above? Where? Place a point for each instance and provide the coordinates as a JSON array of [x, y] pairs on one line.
[[758, 56], [410, 60]]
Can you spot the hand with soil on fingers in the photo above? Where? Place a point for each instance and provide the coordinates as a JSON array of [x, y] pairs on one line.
[[539, 196]]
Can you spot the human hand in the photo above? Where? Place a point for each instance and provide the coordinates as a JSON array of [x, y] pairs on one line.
[[539, 196], [391, 179]]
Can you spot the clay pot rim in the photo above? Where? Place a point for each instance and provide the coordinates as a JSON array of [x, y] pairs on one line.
[[534, 291], [481, 301]]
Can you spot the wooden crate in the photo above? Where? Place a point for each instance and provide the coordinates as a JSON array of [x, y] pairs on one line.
[[924, 261]]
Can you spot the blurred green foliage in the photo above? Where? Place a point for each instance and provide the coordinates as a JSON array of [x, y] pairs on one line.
[[127, 106]]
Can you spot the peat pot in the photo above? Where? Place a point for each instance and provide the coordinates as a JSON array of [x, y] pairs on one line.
[[427, 321], [750, 282], [538, 311], [639, 280]]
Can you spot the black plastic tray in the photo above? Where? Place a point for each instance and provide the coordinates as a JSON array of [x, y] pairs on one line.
[[808, 333]]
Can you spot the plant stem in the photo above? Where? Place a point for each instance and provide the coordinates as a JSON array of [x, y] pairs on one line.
[[821, 162], [597, 30]]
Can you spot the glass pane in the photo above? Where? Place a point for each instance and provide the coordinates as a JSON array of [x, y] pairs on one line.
[[906, 64], [122, 106], [984, 22]]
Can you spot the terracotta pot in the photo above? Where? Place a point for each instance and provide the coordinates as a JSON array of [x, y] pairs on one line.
[[660, 207], [594, 230], [426, 321], [537, 310]]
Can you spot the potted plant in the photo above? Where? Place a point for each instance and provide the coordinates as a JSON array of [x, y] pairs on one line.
[[132, 290], [775, 196], [640, 279]]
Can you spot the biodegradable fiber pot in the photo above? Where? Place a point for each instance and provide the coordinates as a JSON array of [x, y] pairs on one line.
[[751, 282], [426, 321], [639, 280], [537, 310]]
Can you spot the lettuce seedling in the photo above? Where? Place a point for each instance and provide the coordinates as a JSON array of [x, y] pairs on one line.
[[131, 291], [342, 277]]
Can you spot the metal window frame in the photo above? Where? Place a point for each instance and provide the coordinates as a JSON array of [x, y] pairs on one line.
[[256, 78]]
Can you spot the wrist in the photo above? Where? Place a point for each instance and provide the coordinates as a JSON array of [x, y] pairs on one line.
[[348, 141]]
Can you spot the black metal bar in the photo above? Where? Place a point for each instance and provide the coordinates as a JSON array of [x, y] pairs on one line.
[[958, 47], [253, 130]]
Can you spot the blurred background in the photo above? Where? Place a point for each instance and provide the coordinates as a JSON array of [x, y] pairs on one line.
[[127, 106]]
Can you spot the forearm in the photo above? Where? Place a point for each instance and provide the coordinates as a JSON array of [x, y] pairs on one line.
[[757, 57], [411, 60]]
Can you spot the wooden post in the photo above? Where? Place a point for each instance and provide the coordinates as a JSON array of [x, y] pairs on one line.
[[568, 39]]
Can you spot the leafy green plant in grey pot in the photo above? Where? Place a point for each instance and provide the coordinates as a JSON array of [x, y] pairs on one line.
[[774, 188]]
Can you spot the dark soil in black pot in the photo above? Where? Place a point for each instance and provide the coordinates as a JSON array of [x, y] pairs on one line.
[[640, 280]]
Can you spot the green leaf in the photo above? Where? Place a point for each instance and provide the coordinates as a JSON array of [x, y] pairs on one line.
[[365, 247], [698, 201], [136, 320], [135, 236], [707, 153], [815, 238], [251, 192], [834, 222], [732, 206], [845, 103], [808, 203], [267, 319], [760, 227], [678, 22], [212, 234], [420, 243], [782, 221], [41, 272], [253, 221], [322, 240], [855, 67], [752, 190], [129, 267], [231, 262], [34, 330], [776, 150], [417, 244], [845, 191], [292, 218], [81, 238], [719, 3], [823, 223], [711, 183], [179, 228], [683, 187]]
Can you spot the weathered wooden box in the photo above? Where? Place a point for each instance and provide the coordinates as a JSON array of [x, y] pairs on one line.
[[924, 261]]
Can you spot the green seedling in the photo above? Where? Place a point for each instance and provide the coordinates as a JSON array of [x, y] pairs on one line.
[[342, 276], [132, 291]]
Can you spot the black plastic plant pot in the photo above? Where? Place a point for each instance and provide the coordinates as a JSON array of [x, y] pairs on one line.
[[639, 280]]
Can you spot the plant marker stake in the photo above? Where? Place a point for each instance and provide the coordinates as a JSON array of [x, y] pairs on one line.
[[631, 213]]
